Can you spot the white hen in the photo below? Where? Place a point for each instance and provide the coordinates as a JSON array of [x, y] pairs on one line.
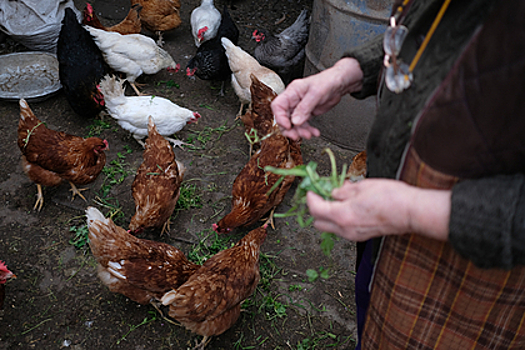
[[242, 64], [205, 21], [132, 112], [132, 54]]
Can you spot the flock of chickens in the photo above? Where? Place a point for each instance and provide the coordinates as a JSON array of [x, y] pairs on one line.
[[95, 64]]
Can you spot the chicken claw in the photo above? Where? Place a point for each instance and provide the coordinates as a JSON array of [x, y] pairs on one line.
[[176, 143], [75, 191], [160, 42], [39, 198], [200, 346]]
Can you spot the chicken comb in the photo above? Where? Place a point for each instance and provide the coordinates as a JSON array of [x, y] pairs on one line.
[[3, 266]]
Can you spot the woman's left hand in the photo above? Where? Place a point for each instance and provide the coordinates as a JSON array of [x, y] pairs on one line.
[[379, 207]]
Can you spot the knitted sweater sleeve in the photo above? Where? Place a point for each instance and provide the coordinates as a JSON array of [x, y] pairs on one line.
[[487, 221], [370, 57]]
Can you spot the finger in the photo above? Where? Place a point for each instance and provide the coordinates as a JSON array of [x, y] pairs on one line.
[[303, 110], [291, 133], [327, 226], [349, 189], [319, 208], [280, 107]]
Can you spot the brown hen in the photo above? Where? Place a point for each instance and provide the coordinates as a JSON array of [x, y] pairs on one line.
[[129, 25], [251, 195], [139, 269], [159, 16], [357, 170], [49, 157], [209, 303], [156, 187], [258, 120]]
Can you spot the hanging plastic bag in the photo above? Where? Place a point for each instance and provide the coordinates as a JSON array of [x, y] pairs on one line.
[[34, 23]]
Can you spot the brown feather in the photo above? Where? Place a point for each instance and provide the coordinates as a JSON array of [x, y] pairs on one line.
[[209, 302], [156, 187], [149, 268], [250, 201], [129, 25], [49, 155], [159, 15]]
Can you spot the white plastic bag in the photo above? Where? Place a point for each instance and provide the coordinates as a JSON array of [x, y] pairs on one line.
[[34, 23]]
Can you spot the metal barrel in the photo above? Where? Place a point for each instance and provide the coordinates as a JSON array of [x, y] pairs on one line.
[[336, 26]]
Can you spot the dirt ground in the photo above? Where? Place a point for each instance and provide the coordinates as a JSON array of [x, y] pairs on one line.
[[57, 300]]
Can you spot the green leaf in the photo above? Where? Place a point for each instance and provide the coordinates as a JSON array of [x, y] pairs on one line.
[[327, 243], [312, 275]]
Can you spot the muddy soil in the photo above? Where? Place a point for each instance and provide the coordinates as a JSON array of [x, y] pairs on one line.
[[57, 300]]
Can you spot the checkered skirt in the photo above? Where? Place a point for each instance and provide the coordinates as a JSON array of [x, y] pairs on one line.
[[425, 296]]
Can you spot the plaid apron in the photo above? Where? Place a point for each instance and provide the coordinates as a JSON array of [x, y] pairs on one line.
[[425, 296]]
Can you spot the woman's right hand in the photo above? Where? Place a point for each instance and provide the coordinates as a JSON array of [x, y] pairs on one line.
[[315, 95]]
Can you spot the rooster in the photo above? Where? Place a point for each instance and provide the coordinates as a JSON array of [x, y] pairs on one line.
[[139, 269], [210, 61], [5, 275], [80, 66], [49, 157], [159, 16], [209, 302], [132, 54], [283, 52], [133, 112], [129, 25], [242, 64], [156, 187], [253, 192]]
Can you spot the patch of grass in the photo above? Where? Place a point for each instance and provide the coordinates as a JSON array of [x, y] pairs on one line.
[[313, 275], [97, 127], [322, 340], [210, 243], [188, 197], [238, 346], [114, 209], [146, 320], [80, 239], [116, 172], [168, 84], [294, 287], [204, 136]]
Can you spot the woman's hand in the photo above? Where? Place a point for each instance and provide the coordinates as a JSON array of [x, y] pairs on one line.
[[379, 207], [315, 95]]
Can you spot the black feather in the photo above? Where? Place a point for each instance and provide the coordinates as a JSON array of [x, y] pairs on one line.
[[81, 66], [210, 61]]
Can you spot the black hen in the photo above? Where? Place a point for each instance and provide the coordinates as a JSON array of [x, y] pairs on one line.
[[81, 67], [283, 52], [210, 61]]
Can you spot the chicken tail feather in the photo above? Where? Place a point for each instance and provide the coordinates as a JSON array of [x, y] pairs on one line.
[[113, 89]]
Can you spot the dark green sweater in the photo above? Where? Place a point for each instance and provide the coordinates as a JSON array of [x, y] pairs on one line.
[[465, 101]]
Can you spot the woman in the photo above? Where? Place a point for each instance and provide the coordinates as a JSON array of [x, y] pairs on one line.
[[443, 207]]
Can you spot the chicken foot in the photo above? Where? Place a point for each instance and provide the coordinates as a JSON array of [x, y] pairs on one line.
[[39, 198], [160, 42], [75, 191], [165, 227], [134, 86], [176, 143], [156, 305], [200, 346], [270, 219]]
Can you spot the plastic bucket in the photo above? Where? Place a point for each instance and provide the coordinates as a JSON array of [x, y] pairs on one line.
[[336, 26]]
